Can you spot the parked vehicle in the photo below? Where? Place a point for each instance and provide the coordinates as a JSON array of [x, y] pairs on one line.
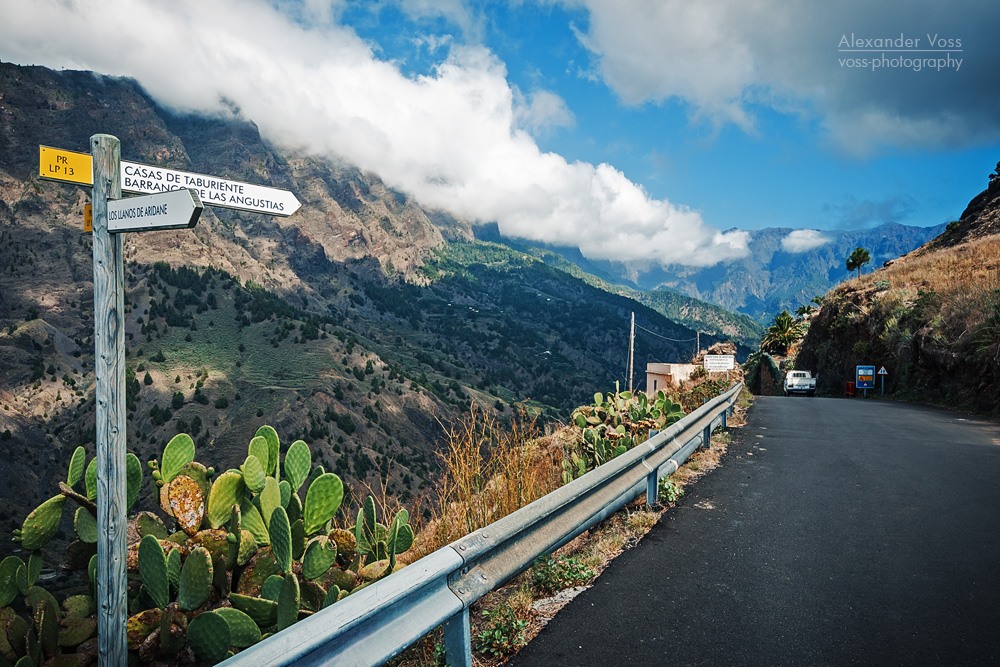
[[800, 382]]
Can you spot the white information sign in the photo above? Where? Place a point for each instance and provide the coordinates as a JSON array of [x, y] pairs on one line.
[[177, 209], [146, 179], [720, 362]]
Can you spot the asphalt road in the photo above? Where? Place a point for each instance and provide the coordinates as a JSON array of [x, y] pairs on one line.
[[837, 532]]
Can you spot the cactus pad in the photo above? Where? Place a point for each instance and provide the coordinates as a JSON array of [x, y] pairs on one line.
[[196, 580], [141, 625], [374, 571], [77, 464], [9, 574], [346, 580], [148, 523], [153, 571], [208, 636], [311, 596], [90, 479], [243, 631], [174, 568], [294, 508], [187, 504], [347, 544], [273, 447], [253, 522], [263, 612], [332, 596], [85, 526], [76, 631], [47, 627], [256, 572], [178, 453], [298, 540], [288, 602], [259, 449], [270, 497], [298, 462], [40, 526], [253, 473], [227, 490], [322, 501], [78, 606], [272, 587], [320, 555], [199, 473], [133, 480], [248, 547], [285, 491], [214, 539], [281, 538]]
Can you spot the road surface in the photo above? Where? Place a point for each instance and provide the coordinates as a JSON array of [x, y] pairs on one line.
[[837, 532]]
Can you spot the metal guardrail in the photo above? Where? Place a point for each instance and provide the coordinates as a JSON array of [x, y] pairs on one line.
[[379, 621]]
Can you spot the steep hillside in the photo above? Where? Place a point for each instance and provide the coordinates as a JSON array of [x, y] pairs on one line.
[[356, 324], [702, 316], [770, 279], [931, 318]]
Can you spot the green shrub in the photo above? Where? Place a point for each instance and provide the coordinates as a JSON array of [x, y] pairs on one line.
[[552, 574]]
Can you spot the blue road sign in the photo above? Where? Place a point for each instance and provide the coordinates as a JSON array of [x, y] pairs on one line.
[[865, 377]]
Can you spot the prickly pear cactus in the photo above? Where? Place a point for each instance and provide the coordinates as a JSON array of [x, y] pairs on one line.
[[148, 523], [178, 453], [298, 461], [186, 503], [273, 447], [281, 539], [254, 522], [77, 465], [263, 612], [227, 490], [320, 555], [40, 526], [243, 631], [209, 637], [153, 571], [253, 474], [196, 580], [13, 579], [133, 480], [288, 602], [322, 501], [85, 526]]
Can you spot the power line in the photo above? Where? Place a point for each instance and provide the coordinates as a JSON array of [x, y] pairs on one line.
[[673, 340]]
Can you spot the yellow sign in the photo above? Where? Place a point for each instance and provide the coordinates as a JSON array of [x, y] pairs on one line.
[[88, 218], [56, 164]]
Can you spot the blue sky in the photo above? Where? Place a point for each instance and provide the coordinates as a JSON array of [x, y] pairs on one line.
[[635, 130], [786, 173]]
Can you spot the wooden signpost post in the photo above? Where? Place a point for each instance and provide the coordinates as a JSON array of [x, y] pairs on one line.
[[178, 205]]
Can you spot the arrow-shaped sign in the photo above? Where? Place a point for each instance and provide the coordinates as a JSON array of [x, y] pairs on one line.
[[177, 209], [56, 164]]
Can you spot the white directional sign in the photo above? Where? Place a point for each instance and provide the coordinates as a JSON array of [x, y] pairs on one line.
[[719, 362], [144, 179], [177, 209], [56, 164]]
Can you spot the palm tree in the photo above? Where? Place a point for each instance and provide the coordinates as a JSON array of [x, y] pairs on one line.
[[858, 258], [782, 334]]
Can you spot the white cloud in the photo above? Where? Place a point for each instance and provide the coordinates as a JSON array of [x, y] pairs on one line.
[[804, 240], [452, 139], [727, 58]]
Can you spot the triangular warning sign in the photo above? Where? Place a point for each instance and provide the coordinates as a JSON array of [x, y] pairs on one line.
[[882, 371]]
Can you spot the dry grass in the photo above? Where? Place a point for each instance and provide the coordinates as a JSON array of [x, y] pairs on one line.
[[489, 470]]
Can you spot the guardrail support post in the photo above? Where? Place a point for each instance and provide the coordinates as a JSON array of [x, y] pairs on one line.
[[706, 437], [725, 417], [458, 640], [652, 492]]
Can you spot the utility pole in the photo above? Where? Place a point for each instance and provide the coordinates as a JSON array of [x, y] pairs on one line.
[[698, 349], [631, 351]]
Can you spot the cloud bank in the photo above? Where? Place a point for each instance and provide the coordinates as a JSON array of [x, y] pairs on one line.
[[457, 139], [727, 58], [803, 240]]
